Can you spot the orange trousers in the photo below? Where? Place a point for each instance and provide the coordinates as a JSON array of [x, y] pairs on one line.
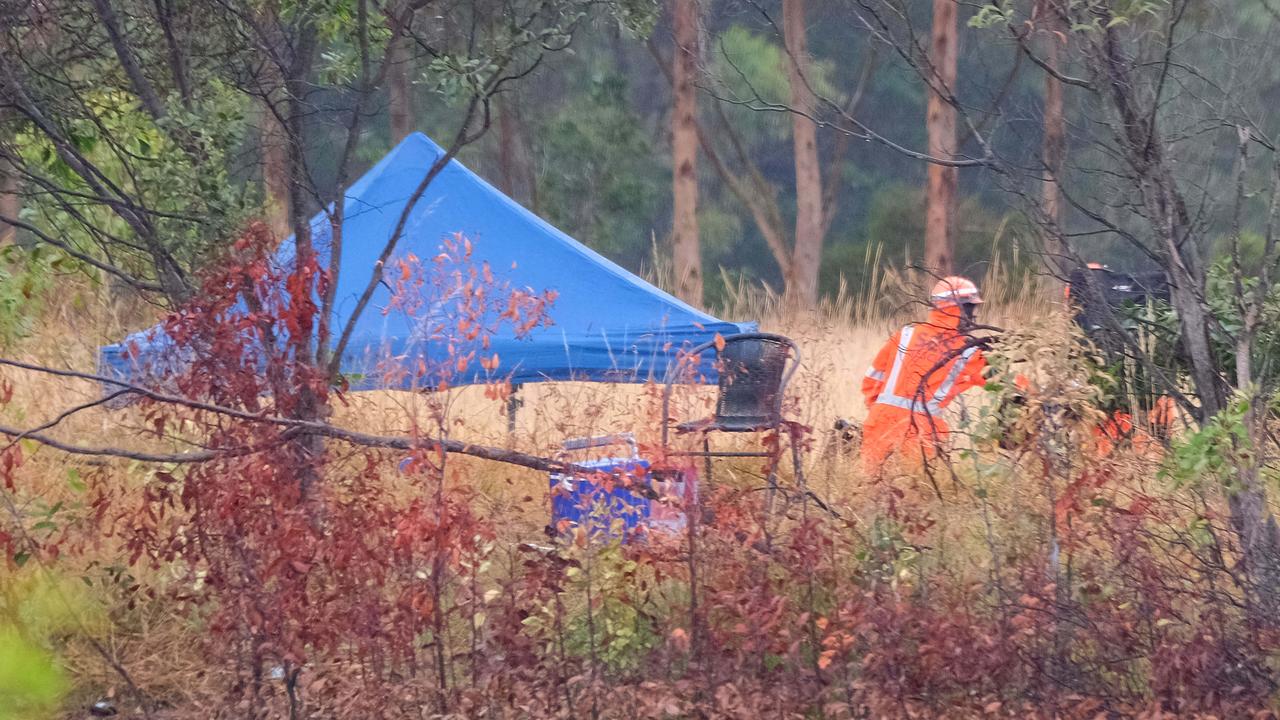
[[903, 438]]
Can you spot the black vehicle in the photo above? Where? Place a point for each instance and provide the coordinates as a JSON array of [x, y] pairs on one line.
[[1122, 313], [1100, 292]]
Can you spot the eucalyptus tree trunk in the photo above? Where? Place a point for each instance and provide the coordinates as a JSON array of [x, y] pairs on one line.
[[515, 166], [940, 126], [275, 174], [807, 258], [687, 250], [273, 140], [1053, 144], [399, 89], [10, 201]]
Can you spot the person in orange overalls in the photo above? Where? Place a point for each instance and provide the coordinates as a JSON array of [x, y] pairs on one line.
[[916, 375], [1119, 430]]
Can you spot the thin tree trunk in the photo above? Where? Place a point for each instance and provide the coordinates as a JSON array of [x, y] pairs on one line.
[[128, 61], [1053, 146], [10, 201], [515, 174], [529, 169], [310, 404], [506, 149], [1253, 520], [1254, 523], [804, 132], [273, 139], [275, 172], [836, 160], [749, 187], [687, 251], [295, 90], [1166, 212], [940, 124], [177, 61], [399, 90]]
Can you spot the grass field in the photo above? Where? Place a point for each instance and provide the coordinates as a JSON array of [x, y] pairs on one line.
[[152, 639], [836, 342]]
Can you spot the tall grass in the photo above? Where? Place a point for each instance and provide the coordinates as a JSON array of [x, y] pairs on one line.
[[837, 341], [158, 643]]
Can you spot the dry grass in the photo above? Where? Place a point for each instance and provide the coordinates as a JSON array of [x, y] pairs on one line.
[[159, 645], [837, 342]]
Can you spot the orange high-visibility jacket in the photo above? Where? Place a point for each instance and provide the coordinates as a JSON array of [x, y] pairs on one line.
[[906, 389], [1119, 428]]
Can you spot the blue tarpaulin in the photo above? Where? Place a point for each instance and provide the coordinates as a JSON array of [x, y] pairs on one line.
[[606, 324]]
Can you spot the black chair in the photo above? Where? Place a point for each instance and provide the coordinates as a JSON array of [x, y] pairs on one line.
[[754, 369]]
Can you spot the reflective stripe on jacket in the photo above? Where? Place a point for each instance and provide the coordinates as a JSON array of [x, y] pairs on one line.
[[924, 366]]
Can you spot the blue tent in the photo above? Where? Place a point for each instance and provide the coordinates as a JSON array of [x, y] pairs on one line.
[[606, 324]]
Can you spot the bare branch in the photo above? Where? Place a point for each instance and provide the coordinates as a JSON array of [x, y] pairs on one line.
[[140, 456], [85, 258], [831, 198], [858, 130], [141, 85], [292, 429], [60, 417], [759, 198], [177, 56], [1047, 68]]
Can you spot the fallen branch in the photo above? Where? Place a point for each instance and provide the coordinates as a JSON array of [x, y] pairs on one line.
[[293, 427], [141, 456]]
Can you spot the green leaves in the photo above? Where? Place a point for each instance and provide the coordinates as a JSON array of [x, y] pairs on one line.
[[618, 632], [638, 16], [25, 277], [39, 608], [175, 168], [340, 66], [458, 77], [1003, 13], [610, 181], [751, 68], [1230, 290], [993, 15], [31, 683], [751, 65], [1214, 451], [74, 481]]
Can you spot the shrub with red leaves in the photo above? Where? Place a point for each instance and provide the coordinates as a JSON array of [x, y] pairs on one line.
[[305, 562]]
